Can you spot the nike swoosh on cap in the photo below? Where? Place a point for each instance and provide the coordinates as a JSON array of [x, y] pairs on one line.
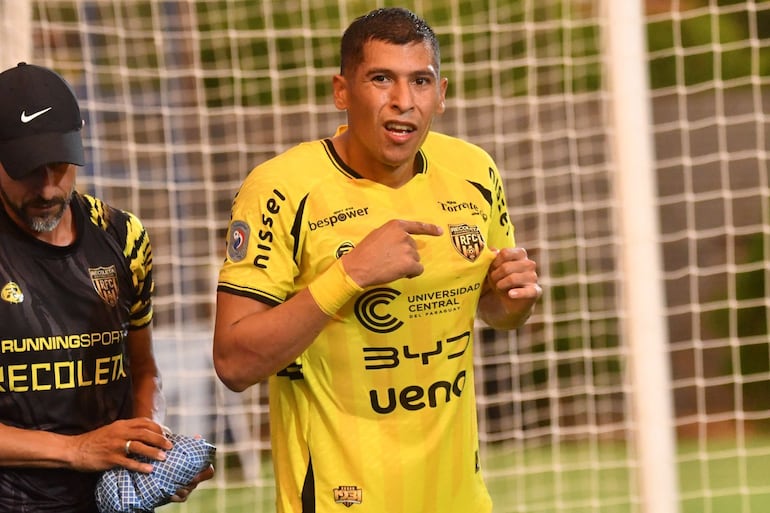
[[27, 119]]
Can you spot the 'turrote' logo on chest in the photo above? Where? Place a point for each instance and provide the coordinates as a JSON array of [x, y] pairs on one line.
[[467, 240], [105, 280]]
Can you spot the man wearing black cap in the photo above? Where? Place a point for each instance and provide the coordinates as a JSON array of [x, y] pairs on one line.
[[78, 380]]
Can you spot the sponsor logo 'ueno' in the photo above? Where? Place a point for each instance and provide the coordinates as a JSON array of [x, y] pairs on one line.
[[416, 397]]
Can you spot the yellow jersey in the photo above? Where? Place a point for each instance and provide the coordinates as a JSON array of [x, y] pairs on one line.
[[379, 413]]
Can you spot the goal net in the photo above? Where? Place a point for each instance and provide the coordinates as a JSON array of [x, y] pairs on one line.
[[183, 98]]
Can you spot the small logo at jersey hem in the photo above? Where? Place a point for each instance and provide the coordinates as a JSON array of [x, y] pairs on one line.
[[12, 293], [348, 495]]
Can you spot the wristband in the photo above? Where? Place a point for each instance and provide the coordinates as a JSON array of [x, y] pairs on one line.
[[333, 288]]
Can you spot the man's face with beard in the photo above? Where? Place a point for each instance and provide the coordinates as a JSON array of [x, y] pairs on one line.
[[38, 201]]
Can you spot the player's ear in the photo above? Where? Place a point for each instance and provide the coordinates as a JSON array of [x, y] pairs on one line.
[[442, 95], [340, 88]]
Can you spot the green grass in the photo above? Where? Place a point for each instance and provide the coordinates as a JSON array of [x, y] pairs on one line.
[[592, 478]]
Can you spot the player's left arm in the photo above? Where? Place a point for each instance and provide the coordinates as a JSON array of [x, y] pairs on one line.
[[145, 377], [510, 290], [511, 287]]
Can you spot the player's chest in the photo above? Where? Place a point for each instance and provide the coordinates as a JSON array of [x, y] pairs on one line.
[[335, 223], [87, 285]]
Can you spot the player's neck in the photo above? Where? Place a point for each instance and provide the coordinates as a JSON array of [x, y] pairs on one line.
[[368, 166], [393, 177]]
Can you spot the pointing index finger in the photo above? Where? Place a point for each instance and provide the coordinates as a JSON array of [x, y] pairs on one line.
[[420, 228]]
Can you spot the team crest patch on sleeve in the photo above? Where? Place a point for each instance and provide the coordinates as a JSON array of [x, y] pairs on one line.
[[238, 241], [348, 495], [467, 240], [105, 280]]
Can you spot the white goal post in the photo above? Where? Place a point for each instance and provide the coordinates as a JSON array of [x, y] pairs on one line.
[[633, 140], [640, 256], [16, 27]]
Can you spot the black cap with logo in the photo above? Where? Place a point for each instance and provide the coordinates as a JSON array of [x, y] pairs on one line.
[[40, 120]]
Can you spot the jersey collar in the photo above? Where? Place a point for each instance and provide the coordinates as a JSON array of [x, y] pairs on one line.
[[420, 160]]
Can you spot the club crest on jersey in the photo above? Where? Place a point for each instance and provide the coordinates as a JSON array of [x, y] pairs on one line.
[[238, 242], [12, 293], [105, 280], [348, 495], [467, 240]]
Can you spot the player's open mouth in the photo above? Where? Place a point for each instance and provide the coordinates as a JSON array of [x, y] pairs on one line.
[[399, 128]]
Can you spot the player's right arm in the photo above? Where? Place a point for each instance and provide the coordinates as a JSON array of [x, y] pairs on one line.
[[97, 450], [253, 340]]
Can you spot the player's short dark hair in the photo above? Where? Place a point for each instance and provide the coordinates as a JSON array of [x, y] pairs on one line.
[[394, 25]]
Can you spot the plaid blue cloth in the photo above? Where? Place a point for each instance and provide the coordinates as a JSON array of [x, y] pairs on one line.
[[125, 491]]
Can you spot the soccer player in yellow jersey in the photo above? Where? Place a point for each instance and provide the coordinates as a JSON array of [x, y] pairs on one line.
[[355, 268]]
